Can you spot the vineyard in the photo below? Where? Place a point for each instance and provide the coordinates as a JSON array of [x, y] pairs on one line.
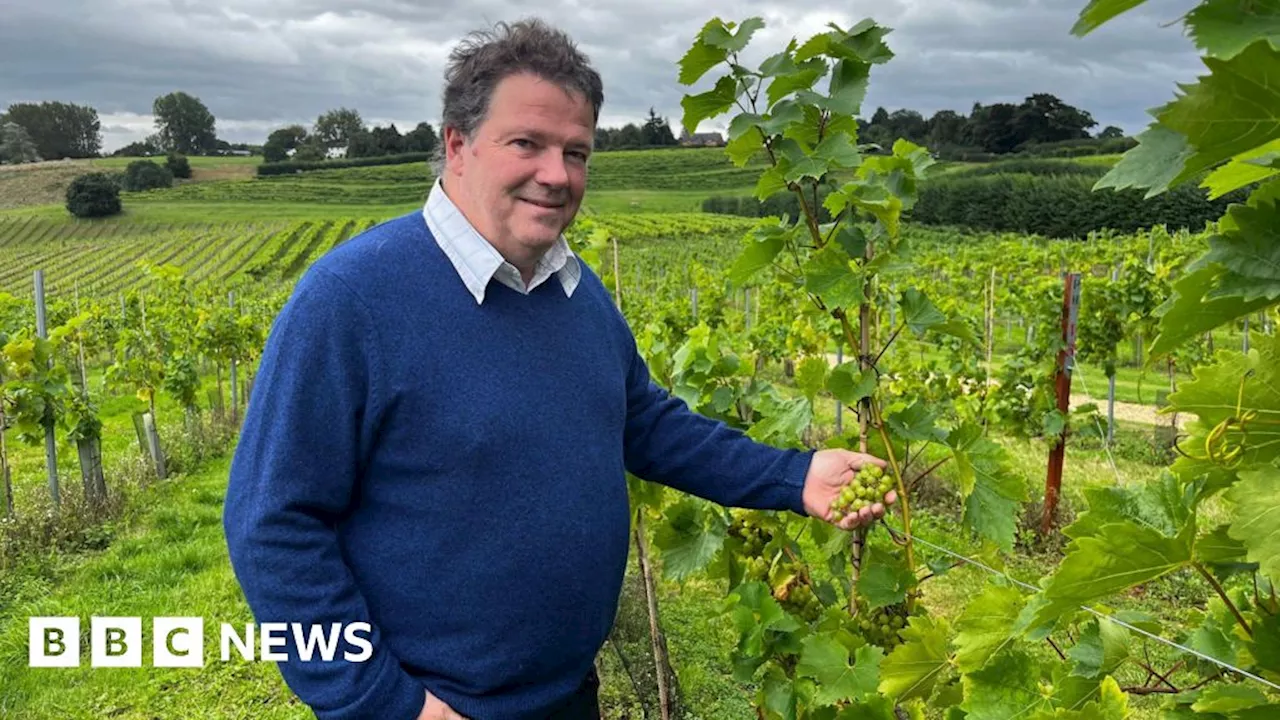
[[1083, 523]]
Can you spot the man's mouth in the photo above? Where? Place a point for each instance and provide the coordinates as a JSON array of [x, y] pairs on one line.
[[544, 204]]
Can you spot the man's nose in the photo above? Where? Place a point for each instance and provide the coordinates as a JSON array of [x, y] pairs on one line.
[[551, 169]]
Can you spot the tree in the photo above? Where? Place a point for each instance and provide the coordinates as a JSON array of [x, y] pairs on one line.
[[178, 165], [336, 127], [146, 175], [288, 137], [362, 144], [387, 140], [138, 149], [657, 131], [310, 151], [93, 195], [1043, 118], [946, 127], [185, 125], [274, 151], [420, 139], [59, 130], [16, 145], [907, 124], [991, 127], [1111, 132], [629, 136]]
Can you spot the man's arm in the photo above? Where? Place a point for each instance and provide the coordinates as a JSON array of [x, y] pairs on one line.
[[312, 419], [667, 442]]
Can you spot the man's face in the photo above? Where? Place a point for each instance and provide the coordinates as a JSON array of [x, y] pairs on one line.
[[521, 177]]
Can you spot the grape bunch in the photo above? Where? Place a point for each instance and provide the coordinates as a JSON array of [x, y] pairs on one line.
[[754, 538], [869, 486], [796, 596], [882, 625]]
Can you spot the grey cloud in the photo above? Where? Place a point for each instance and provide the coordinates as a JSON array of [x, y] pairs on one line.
[[259, 64]]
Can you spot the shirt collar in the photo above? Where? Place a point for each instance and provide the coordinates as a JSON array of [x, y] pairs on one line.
[[477, 261]]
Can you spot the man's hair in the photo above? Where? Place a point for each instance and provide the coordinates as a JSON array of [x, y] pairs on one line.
[[485, 57]]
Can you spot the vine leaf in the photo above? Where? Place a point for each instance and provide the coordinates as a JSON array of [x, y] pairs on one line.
[[784, 421], [1111, 704], [1154, 164], [915, 666], [1265, 644], [1224, 28], [757, 255], [1251, 382], [710, 103], [849, 384], [1098, 12], [1007, 687], [922, 316], [1232, 110], [827, 661], [779, 693], [829, 274], [1249, 250], [1101, 648], [686, 539], [986, 626], [1160, 504], [993, 494], [1244, 169], [1190, 311], [714, 44], [1228, 698], [885, 579], [1119, 556], [1219, 551], [1257, 520]]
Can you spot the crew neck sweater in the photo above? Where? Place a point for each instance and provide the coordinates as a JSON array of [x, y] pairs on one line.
[[453, 474]]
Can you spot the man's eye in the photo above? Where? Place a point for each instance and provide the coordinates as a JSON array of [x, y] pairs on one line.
[[523, 142]]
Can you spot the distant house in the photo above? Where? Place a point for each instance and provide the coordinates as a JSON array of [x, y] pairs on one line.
[[703, 139], [240, 153], [335, 152]]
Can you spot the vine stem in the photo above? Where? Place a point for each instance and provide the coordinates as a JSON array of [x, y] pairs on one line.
[[903, 503], [1217, 587]]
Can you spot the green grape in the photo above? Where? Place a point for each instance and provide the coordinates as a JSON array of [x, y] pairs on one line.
[[868, 487]]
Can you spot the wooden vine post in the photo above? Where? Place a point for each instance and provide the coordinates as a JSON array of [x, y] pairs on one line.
[[1062, 385]]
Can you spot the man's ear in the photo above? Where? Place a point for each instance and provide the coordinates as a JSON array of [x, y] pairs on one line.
[[454, 142]]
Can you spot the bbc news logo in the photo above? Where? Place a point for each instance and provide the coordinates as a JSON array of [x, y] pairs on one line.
[[178, 642]]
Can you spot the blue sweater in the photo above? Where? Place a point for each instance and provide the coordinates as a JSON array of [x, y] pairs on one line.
[[453, 474]]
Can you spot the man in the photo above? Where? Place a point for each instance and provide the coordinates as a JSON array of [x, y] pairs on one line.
[[445, 408]]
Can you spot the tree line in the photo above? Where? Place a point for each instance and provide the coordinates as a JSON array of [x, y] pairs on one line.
[[343, 128], [999, 128], [184, 124]]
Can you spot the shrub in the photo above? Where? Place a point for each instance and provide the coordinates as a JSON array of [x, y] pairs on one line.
[[93, 195], [1062, 206], [295, 166], [178, 164], [146, 175]]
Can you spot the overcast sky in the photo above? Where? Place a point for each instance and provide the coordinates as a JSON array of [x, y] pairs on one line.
[[261, 64]]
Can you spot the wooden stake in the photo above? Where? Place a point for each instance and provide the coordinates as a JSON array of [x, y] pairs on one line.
[[1066, 356]]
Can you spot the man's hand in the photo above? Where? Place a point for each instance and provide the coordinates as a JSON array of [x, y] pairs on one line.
[[435, 709], [830, 471]]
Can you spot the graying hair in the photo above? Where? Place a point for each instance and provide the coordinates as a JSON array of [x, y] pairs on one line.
[[486, 57]]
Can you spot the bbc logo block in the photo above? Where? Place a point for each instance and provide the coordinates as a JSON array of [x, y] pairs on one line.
[[115, 642], [53, 641]]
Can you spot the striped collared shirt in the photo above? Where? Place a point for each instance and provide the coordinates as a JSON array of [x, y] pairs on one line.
[[478, 262]]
